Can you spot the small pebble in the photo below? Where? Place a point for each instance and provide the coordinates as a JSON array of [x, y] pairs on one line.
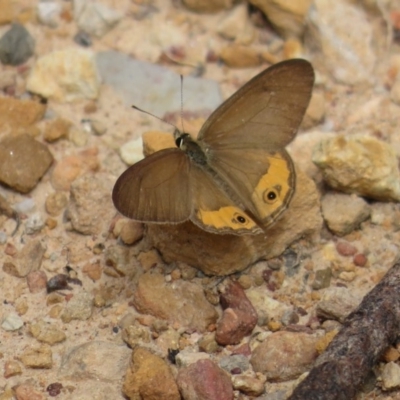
[[71, 167], [56, 203], [12, 322], [24, 162], [132, 151], [239, 56], [238, 362], [48, 12], [345, 249], [315, 112], [37, 281], [192, 385], [90, 107], [10, 250], [92, 270], [337, 303], [16, 45], [95, 18], [83, 39], [78, 137], [58, 282], [360, 260], [51, 223], [208, 343], [98, 128], [131, 232], [46, 333], [54, 389], [21, 306], [37, 357], [56, 129], [391, 376], [391, 354], [236, 25], [79, 307], [347, 276], [65, 76], [35, 223], [90, 208], [149, 259], [11, 368], [26, 391], [7, 79], [3, 237], [248, 385], [343, 213], [25, 206], [29, 259], [322, 279]]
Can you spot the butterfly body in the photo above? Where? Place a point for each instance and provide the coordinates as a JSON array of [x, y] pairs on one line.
[[236, 177]]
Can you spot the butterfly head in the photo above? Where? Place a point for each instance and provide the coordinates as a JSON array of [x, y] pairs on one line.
[[181, 140]]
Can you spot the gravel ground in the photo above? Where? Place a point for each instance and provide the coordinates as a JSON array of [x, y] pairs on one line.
[[95, 306]]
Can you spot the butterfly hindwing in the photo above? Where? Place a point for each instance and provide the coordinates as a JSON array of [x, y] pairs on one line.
[[213, 210]]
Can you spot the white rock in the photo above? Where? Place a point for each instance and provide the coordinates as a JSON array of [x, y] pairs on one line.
[[86, 362], [12, 322], [65, 76], [390, 376], [132, 152], [95, 18], [337, 303], [34, 223], [344, 213], [359, 164], [48, 12]]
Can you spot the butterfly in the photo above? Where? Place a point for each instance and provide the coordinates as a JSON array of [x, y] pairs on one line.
[[236, 178]]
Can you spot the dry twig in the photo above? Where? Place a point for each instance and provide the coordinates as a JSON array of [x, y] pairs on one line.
[[365, 335]]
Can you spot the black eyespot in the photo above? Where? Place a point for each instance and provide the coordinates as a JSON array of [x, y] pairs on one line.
[[271, 195], [241, 219]]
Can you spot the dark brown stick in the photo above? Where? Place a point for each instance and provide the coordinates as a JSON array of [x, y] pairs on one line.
[[366, 333]]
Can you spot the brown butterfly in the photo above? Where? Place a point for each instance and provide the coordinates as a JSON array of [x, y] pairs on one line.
[[236, 177]]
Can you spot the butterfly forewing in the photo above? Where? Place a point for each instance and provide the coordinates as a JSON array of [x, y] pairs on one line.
[[266, 111], [155, 189]]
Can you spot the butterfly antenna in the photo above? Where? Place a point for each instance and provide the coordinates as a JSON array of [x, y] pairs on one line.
[[155, 116], [183, 129]]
